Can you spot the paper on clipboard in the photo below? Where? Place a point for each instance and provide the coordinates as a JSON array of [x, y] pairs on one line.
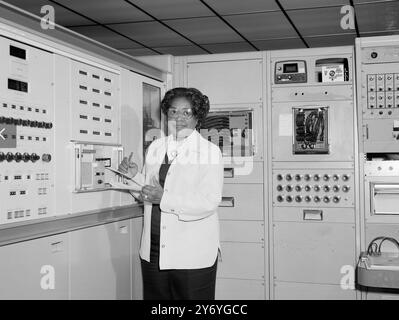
[[129, 187], [123, 175]]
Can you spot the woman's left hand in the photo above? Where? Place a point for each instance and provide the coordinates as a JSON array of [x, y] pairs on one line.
[[152, 193]]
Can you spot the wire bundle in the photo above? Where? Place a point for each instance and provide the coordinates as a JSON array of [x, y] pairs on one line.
[[374, 249]]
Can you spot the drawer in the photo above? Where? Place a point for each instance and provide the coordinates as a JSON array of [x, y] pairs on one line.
[[248, 172], [242, 261], [314, 215], [311, 291], [242, 202], [242, 231], [237, 289], [312, 252]]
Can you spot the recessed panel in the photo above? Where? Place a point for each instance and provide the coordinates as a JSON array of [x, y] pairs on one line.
[[262, 26], [378, 16], [151, 34], [225, 7], [205, 30], [106, 11], [173, 9], [106, 36]]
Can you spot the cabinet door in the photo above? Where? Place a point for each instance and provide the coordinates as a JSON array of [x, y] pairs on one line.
[[100, 262], [35, 269]]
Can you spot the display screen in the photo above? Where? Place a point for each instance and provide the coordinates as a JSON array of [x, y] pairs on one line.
[[290, 68], [18, 52], [17, 85]]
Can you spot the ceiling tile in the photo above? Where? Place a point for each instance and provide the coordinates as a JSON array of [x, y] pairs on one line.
[[151, 33], [139, 52], [63, 16], [279, 44], [173, 9], [321, 21], [106, 11], [181, 50], [262, 26], [106, 36], [228, 47], [224, 7], [331, 41], [378, 16], [205, 30], [302, 4]]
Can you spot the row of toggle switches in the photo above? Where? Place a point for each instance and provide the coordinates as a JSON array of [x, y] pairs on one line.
[[26, 123], [25, 157]]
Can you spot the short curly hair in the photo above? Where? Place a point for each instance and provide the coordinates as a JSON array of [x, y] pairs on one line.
[[199, 102]]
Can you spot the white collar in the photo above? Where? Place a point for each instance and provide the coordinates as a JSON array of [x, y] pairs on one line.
[[174, 147]]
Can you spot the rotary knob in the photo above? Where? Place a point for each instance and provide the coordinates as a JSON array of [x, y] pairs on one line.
[[34, 157], [18, 157], [345, 188], [2, 156], [279, 187], [26, 157], [46, 157], [9, 120], [326, 188], [345, 177], [308, 188], [316, 177], [280, 198], [308, 199], [336, 199], [48, 125], [298, 188], [336, 188], [316, 199], [336, 177], [326, 177], [279, 177], [288, 188], [316, 188], [326, 199], [9, 157], [289, 198], [298, 198], [307, 177], [288, 177], [298, 177]]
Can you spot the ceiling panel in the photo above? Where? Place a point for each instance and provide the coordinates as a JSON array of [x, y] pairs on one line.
[[228, 47], [205, 30], [279, 44], [378, 16], [106, 36], [331, 41], [139, 52], [106, 11], [173, 9], [262, 26], [63, 16], [302, 4], [242, 6], [314, 22], [151, 34], [181, 50]]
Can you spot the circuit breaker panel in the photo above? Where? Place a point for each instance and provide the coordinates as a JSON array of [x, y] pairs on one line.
[[313, 193], [378, 96], [26, 132]]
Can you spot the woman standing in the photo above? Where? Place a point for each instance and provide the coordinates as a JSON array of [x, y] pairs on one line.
[[183, 177]]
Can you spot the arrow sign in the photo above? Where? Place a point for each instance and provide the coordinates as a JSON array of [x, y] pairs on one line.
[[1, 133]]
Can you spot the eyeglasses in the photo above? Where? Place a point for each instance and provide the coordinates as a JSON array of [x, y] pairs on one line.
[[185, 114]]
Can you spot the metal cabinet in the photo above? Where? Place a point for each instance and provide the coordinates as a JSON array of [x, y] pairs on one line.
[[100, 262], [36, 269]]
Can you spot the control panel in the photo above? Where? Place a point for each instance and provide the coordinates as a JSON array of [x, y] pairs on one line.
[[26, 132], [317, 188], [290, 72]]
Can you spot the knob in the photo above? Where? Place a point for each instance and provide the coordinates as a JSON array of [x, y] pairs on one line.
[[326, 177], [2, 119], [345, 188], [316, 199], [280, 198], [326, 188], [48, 125], [308, 188], [298, 198], [46, 157], [2, 156], [9, 157], [25, 123], [307, 177], [374, 55], [298, 188], [345, 177], [316, 177], [288, 177], [288, 188], [99, 181], [17, 122], [336, 177], [316, 188], [336, 188], [326, 199], [308, 199], [289, 198], [279, 187], [26, 157], [34, 157], [18, 157], [336, 199], [41, 124], [279, 177], [298, 177], [33, 123], [9, 120]]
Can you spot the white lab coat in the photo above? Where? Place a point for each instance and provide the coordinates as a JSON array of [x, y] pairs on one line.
[[189, 232]]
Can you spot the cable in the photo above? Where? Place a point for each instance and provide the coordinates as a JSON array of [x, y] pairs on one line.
[[374, 249]]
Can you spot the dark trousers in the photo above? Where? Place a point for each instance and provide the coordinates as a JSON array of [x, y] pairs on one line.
[[182, 284]]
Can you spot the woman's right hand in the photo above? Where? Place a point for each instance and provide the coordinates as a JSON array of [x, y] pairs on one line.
[[128, 167]]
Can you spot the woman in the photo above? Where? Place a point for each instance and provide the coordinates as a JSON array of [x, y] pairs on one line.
[[183, 177]]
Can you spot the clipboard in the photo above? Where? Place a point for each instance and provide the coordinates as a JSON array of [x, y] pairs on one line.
[[124, 175]]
